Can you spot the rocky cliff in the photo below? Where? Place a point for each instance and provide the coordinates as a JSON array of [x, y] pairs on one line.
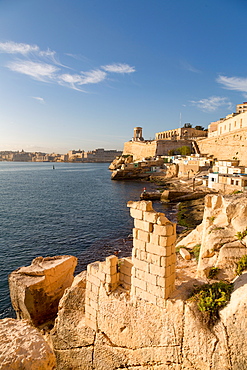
[[135, 313]]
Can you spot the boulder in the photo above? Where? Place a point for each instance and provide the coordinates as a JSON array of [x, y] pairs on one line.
[[23, 347], [35, 290]]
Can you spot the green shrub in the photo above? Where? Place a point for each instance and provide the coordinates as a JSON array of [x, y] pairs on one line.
[[213, 271], [241, 234], [210, 298], [196, 251], [241, 265]]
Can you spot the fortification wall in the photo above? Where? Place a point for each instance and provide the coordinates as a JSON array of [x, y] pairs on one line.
[[227, 146], [139, 149]]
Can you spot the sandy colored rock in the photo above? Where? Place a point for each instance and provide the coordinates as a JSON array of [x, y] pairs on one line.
[[224, 217], [35, 290], [23, 347]]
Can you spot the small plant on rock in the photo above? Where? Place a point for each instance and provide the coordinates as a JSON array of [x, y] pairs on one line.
[[213, 272], [196, 251], [210, 298], [242, 265], [241, 234]]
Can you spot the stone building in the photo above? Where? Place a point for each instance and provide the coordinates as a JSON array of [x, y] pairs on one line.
[[181, 133]]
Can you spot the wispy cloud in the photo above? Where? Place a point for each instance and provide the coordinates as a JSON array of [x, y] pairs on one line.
[[11, 47], [38, 71], [39, 99], [188, 67], [212, 103], [44, 65], [233, 83], [118, 68]]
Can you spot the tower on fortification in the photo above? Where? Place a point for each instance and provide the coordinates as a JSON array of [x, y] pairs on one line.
[[137, 134]]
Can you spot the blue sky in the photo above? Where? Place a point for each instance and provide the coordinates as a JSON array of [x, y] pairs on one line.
[[83, 73]]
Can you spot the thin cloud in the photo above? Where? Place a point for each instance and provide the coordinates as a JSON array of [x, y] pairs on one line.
[[38, 71], [233, 83], [11, 47], [44, 65], [39, 99], [212, 103], [188, 67], [119, 68]]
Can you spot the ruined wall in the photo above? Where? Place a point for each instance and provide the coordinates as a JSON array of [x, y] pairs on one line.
[[149, 275], [153, 254], [227, 146], [128, 328]]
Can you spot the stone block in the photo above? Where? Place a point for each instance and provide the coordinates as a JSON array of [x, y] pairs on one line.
[[156, 290], [143, 256], [166, 240], [91, 295], [134, 233], [126, 266], [91, 324], [139, 283], [154, 239], [168, 271], [142, 265], [139, 274], [142, 205], [111, 260], [162, 220], [150, 217], [95, 289], [166, 261], [136, 214], [161, 281], [143, 235], [127, 279], [185, 254], [90, 310], [166, 230], [93, 279], [155, 249], [139, 244], [136, 253], [143, 225], [149, 278], [154, 259], [157, 270]]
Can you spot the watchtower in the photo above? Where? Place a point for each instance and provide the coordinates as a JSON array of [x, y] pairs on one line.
[[138, 134]]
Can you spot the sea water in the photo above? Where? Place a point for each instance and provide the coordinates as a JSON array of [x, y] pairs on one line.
[[71, 208]]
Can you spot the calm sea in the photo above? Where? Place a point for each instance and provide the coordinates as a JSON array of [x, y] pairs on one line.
[[73, 209]]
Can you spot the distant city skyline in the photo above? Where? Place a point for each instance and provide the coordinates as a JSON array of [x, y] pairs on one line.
[[83, 74]]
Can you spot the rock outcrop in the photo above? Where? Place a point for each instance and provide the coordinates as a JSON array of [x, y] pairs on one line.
[[23, 347], [222, 244], [35, 290]]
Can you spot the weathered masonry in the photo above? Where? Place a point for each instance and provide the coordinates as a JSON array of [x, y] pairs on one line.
[[150, 273]]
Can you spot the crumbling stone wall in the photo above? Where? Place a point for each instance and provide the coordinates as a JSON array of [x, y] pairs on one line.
[[153, 254], [149, 275]]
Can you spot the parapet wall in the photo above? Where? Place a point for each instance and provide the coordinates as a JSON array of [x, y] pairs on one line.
[[148, 275]]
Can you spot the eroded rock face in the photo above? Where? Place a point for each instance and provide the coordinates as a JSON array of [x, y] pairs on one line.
[[35, 290], [224, 217], [23, 347]]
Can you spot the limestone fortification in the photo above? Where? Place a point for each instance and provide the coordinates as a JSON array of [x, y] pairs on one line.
[[134, 313]]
